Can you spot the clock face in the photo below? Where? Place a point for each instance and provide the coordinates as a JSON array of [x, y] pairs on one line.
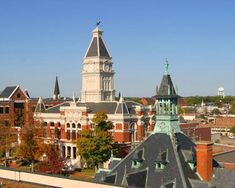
[[106, 67], [90, 68], [162, 125]]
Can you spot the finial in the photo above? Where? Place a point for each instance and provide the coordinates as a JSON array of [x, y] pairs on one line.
[[166, 67], [98, 23], [121, 99], [74, 100]]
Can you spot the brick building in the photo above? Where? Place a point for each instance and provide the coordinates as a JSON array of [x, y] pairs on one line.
[[64, 122]]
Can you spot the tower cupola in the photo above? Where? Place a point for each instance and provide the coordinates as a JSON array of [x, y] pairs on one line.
[[166, 105]]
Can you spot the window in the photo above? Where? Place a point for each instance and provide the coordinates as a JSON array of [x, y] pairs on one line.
[[68, 125], [79, 134], [1, 110], [7, 123], [73, 126], [137, 159], [52, 124], [58, 133], [69, 152], [52, 133], [74, 152], [162, 160], [63, 151], [68, 134], [7, 109], [18, 95], [73, 135], [79, 126], [59, 125]]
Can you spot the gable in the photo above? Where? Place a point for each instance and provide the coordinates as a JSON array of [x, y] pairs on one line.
[[18, 94]]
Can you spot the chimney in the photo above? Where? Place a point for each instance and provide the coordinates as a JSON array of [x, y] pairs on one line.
[[204, 160]]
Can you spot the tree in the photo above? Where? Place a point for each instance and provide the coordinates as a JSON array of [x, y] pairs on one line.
[[8, 136], [101, 122], [96, 146], [216, 111], [232, 109], [52, 162], [232, 129], [30, 147]]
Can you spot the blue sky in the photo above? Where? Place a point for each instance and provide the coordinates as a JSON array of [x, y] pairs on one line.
[[40, 39]]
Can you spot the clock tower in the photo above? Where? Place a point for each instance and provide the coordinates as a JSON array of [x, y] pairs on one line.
[[166, 105], [97, 73]]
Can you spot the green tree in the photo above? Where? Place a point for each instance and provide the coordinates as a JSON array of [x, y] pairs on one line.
[[232, 130], [95, 146], [216, 111], [8, 137], [232, 109]]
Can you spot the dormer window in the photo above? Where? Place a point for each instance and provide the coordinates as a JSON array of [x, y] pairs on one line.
[[161, 160], [137, 159], [191, 159]]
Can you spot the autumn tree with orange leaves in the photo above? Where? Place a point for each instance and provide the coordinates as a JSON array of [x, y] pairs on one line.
[[31, 148]]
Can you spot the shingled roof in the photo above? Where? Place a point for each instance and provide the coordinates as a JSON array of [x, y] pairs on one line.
[[176, 170], [7, 92]]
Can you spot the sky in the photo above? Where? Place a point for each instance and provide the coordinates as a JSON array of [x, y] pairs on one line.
[[40, 39]]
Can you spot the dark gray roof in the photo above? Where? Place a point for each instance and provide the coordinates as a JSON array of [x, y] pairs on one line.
[[223, 178], [93, 49], [122, 108], [103, 50], [109, 107], [56, 89], [176, 171], [106, 107], [113, 163], [7, 92], [56, 108], [166, 88], [228, 157]]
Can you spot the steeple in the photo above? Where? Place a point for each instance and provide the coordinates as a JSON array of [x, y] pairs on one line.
[[56, 94], [166, 106]]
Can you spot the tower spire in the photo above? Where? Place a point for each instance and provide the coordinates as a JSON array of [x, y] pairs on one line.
[[56, 94]]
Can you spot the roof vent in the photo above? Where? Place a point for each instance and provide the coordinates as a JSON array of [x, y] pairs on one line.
[[137, 159], [161, 160]]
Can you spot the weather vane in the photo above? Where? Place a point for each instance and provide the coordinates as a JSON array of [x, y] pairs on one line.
[[166, 67], [98, 23]]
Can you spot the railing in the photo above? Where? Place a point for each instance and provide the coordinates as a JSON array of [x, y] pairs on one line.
[[48, 180]]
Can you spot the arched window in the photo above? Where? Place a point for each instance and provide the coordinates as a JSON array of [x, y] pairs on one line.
[[68, 125], [79, 126], [73, 126]]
